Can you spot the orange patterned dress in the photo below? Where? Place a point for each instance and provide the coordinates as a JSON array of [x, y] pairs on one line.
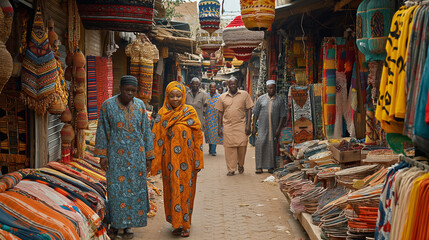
[[178, 147]]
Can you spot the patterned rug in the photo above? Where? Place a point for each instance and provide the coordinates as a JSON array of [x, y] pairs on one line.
[[302, 114], [316, 104], [100, 83]]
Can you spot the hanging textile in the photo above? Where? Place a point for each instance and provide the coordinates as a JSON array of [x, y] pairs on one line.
[[263, 70], [13, 133], [100, 83], [316, 104], [329, 86], [142, 53], [39, 69], [415, 64], [302, 114], [309, 61], [391, 106]]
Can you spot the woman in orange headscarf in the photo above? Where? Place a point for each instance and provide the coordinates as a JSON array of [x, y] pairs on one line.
[[178, 144]]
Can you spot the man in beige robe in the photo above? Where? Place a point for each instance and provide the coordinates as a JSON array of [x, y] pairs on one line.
[[235, 109]]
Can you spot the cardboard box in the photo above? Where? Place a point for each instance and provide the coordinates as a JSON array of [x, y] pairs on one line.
[[345, 156]]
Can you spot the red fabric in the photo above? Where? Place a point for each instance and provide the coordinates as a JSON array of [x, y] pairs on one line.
[[237, 22]]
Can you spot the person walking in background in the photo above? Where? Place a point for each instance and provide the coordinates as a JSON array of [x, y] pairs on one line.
[[212, 137], [234, 125], [220, 90], [197, 98], [178, 146], [124, 145], [271, 112]]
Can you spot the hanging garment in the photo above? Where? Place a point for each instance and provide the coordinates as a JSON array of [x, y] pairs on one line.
[[391, 106]]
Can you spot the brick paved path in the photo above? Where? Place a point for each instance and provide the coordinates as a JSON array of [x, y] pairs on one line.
[[237, 207]]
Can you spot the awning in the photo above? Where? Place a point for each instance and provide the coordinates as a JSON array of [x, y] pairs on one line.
[[283, 12]]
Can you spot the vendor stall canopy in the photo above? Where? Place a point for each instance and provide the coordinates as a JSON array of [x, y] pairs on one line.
[[116, 15], [209, 12], [258, 15]]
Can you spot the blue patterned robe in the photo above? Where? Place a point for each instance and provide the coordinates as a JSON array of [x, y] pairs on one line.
[[211, 131], [125, 138]]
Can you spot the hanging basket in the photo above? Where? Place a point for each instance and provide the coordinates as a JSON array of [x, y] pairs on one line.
[[241, 40], [228, 54], [209, 12], [379, 15], [116, 15], [210, 43], [258, 15], [67, 134], [82, 120]]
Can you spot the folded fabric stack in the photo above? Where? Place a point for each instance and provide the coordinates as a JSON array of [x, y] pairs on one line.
[[326, 206], [347, 176], [310, 199], [333, 220], [328, 172], [58, 201], [362, 211]]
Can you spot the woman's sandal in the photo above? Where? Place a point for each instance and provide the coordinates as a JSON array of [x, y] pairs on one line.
[[177, 232], [128, 233], [259, 171], [185, 233]]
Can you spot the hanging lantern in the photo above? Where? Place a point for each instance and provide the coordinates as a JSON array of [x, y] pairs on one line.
[[206, 65], [236, 63], [210, 43], [257, 15], [209, 12], [67, 134], [57, 107], [379, 17], [80, 75], [206, 55], [82, 120], [362, 28], [219, 64], [66, 116], [242, 41], [228, 54], [120, 15], [79, 102], [79, 60]]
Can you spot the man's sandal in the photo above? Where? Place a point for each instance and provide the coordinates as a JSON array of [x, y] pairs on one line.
[[185, 233], [177, 232]]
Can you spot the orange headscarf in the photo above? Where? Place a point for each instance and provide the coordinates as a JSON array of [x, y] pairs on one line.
[[169, 116]]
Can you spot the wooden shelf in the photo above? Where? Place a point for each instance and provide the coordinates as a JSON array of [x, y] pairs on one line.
[[304, 218]]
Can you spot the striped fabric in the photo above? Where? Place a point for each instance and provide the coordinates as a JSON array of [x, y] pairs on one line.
[[329, 87], [100, 83]]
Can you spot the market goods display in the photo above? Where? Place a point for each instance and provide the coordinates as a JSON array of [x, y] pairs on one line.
[[346, 176], [209, 15], [258, 15]]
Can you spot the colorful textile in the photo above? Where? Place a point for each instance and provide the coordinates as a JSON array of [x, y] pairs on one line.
[[391, 106], [100, 84], [28, 216], [270, 112], [415, 66], [10, 180], [124, 137], [301, 114], [116, 15], [329, 87], [57, 202], [39, 69], [212, 119], [421, 129], [178, 145], [316, 108], [309, 61]]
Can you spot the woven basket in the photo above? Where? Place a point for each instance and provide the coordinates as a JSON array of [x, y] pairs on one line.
[[6, 66]]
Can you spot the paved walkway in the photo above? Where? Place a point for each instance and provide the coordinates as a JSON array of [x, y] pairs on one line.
[[237, 207]]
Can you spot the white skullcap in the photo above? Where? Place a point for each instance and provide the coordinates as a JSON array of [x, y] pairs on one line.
[[269, 82], [195, 79]]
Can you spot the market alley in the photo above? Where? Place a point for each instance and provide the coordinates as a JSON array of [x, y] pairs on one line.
[[237, 207]]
